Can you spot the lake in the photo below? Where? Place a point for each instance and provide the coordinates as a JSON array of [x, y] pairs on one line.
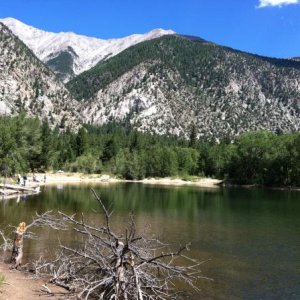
[[250, 236]]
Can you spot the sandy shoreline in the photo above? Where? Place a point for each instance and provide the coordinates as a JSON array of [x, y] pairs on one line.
[[76, 178], [62, 178], [203, 182]]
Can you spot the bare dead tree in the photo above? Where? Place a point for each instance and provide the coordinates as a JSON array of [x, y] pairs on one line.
[[17, 252], [115, 266], [22, 231], [6, 243], [46, 219]]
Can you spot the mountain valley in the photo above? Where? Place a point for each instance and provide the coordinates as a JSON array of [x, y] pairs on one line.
[[160, 82]]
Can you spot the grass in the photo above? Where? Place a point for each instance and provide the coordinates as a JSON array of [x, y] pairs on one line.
[[2, 279], [8, 180]]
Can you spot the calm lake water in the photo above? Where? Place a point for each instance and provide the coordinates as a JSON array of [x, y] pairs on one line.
[[252, 236]]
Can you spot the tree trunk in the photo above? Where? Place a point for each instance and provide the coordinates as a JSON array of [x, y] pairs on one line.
[[17, 253]]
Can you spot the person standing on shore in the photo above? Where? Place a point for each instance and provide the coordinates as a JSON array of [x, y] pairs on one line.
[[24, 179], [19, 179]]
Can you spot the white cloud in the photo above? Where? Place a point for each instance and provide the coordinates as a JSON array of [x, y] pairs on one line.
[[266, 3]]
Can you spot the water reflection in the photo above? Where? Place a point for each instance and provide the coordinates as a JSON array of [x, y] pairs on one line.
[[251, 236]]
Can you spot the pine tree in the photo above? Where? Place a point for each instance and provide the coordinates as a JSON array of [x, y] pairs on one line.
[[82, 142], [193, 136]]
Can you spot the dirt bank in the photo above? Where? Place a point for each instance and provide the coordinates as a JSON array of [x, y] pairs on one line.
[[23, 286]]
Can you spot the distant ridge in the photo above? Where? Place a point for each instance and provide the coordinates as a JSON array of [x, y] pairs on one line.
[[69, 54], [168, 84]]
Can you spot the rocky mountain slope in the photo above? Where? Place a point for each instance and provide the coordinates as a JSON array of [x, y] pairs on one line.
[[69, 54], [27, 85], [163, 85], [167, 84]]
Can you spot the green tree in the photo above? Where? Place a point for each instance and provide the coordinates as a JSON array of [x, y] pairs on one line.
[[187, 161], [46, 139], [82, 142], [254, 154], [193, 136], [110, 150], [130, 164], [87, 164]]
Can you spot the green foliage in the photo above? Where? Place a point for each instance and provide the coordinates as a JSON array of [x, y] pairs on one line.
[[193, 136], [260, 157], [254, 147], [2, 279], [81, 142], [62, 64], [86, 164], [46, 145], [20, 145], [110, 150], [187, 161], [130, 164]]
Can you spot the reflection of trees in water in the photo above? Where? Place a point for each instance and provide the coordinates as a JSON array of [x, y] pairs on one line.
[[223, 224]]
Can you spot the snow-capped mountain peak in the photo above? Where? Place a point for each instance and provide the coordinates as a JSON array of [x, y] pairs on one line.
[[79, 52]]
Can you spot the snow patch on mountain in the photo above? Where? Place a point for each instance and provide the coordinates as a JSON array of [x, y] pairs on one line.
[[88, 51], [26, 85]]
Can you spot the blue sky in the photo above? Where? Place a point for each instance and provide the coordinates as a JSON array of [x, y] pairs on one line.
[[266, 27]]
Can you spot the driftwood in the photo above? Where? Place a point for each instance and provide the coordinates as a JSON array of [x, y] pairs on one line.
[[19, 188]]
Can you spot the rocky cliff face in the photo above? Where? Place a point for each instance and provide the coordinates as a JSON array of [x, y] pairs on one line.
[[27, 85], [169, 83]]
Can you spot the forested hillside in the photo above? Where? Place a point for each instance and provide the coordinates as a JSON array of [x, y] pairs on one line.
[[164, 85], [253, 158]]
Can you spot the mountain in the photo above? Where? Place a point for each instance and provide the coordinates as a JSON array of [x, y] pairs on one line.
[[295, 58], [69, 54], [27, 85], [168, 84], [161, 82]]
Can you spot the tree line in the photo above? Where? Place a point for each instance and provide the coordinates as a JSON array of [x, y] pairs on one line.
[[261, 157]]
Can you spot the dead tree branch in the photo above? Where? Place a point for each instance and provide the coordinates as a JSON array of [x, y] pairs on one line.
[[22, 232], [115, 266], [6, 243]]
